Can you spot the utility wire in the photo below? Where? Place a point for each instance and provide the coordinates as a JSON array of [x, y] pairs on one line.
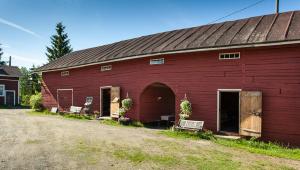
[[237, 11]]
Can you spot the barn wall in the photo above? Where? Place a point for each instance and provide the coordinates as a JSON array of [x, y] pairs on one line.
[[274, 71], [10, 84]]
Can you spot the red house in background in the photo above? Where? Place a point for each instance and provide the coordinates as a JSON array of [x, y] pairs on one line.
[[9, 85], [241, 76]]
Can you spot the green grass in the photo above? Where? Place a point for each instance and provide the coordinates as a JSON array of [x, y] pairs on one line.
[[137, 155], [260, 147], [253, 146], [188, 135], [116, 123], [68, 116]]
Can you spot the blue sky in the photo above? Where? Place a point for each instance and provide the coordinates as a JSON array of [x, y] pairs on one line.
[[26, 25]]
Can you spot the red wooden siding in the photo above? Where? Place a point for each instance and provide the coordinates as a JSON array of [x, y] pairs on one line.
[[274, 71], [65, 99], [10, 84]]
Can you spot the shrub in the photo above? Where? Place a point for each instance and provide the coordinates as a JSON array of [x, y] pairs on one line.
[[36, 102], [127, 103], [122, 111], [185, 108], [26, 100]]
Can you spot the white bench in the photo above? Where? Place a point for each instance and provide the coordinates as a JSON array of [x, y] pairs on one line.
[[190, 125], [75, 109]]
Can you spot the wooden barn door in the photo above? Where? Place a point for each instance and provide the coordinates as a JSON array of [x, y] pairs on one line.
[[250, 113], [115, 101], [10, 98]]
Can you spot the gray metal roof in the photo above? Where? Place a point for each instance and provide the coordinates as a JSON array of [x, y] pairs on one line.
[[10, 71], [265, 29]]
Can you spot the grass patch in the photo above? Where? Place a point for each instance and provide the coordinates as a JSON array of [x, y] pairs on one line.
[[136, 156], [86, 151], [33, 141], [253, 146], [207, 135], [69, 115], [77, 116], [260, 147], [116, 123]]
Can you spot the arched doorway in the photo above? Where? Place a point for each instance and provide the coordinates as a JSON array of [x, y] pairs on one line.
[[156, 100]]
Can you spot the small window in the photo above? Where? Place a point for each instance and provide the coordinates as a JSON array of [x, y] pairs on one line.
[[65, 73], [2, 89], [106, 68], [226, 56], [157, 61]]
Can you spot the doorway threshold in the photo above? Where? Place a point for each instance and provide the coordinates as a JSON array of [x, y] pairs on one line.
[[228, 137], [105, 118]]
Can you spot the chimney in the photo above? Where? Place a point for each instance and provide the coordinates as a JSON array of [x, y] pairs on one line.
[[9, 62], [277, 6]]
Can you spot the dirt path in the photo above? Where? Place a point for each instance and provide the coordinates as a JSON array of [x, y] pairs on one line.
[[52, 142]]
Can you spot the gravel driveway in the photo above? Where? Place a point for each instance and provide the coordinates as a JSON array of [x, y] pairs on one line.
[[53, 142]]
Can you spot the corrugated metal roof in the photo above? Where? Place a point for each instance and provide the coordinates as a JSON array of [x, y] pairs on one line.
[[256, 30]]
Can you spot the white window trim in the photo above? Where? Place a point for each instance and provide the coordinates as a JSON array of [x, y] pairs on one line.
[[3, 85], [14, 95], [219, 102], [106, 68], [229, 54], [64, 73], [157, 59]]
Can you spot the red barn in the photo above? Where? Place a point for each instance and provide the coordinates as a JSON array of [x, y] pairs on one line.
[[9, 85], [241, 76]]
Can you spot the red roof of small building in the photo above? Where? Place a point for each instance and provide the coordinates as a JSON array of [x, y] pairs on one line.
[[255, 31]]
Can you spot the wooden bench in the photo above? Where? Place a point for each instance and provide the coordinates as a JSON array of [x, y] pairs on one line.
[[75, 109], [192, 125]]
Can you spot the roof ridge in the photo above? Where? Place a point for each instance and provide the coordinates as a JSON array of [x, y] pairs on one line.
[[185, 39]]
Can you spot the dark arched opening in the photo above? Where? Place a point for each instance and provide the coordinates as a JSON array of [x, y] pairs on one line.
[[157, 100]]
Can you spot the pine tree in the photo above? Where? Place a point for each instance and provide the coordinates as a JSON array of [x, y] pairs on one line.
[[60, 44], [1, 53]]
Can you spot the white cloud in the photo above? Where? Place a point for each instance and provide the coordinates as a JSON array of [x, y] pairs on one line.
[[11, 24], [5, 46]]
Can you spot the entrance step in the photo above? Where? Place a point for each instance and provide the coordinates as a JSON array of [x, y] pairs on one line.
[[228, 137], [105, 118]]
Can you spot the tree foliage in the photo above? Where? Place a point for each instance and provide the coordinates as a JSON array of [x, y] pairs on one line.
[[29, 84], [60, 44], [1, 54]]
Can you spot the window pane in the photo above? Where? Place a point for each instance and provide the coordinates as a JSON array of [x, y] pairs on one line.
[[1, 90]]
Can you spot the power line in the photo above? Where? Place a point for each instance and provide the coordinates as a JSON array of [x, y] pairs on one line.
[[237, 11]]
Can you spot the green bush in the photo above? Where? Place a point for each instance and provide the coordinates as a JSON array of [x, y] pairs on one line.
[[185, 108], [122, 111], [26, 100], [127, 103], [36, 102]]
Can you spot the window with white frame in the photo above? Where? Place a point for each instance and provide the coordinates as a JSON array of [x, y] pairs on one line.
[[229, 56], [64, 73], [157, 61], [2, 89], [106, 68]]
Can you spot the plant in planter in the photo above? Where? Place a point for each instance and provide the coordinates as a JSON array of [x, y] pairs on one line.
[[185, 108], [126, 106]]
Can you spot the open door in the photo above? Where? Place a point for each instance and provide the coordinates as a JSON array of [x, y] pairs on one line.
[[115, 102], [250, 113]]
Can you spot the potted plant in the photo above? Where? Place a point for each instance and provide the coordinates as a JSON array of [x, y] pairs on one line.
[[185, 109], [126, 106]]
